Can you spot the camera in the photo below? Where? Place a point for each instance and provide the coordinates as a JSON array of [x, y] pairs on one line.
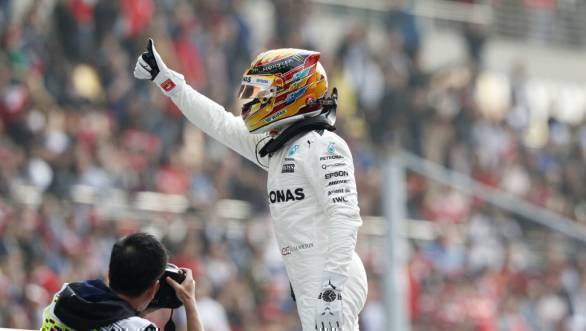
[[166, 297]]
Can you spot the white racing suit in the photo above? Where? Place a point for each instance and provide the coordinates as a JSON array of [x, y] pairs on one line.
[[313, 203]]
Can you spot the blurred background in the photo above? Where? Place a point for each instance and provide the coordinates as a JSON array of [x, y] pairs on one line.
[[493, 90]]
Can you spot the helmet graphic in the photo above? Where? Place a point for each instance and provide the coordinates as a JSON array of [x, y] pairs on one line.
[[280, 87]]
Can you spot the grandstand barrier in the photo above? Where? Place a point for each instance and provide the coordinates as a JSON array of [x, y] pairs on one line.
[[509, 19], [397, 229], [503, 200]]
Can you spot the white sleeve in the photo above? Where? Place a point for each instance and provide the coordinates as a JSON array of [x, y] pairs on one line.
[[215, 121], [331, 172]]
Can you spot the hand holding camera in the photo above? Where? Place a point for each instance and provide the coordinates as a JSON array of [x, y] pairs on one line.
[[177, 288], [185, 290], [166, 296]]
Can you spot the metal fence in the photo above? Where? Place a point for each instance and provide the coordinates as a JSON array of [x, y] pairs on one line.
[[555, 22], [559, 23], [397, 225]]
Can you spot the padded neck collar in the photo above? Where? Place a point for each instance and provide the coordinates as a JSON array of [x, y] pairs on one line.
[[323, 121]]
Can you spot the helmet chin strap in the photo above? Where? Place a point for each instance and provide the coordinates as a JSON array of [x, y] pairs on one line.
[[324, 121]]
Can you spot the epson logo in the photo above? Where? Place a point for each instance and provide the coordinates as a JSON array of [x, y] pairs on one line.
[[286, 195], [341, 173]]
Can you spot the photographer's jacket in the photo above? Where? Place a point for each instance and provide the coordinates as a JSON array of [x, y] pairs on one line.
[[91, 305]]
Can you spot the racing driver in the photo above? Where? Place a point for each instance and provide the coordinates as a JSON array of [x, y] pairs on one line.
[[285, 127]]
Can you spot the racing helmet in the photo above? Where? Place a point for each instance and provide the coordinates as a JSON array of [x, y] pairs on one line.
[[282, 86]]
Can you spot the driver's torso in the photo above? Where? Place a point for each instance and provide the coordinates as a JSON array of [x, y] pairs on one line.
[[298, 214]]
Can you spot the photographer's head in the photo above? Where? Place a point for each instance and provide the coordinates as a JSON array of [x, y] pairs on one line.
[[136, 264]]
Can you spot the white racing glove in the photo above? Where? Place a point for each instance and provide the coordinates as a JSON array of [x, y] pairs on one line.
[[150, 66], [328, 311]]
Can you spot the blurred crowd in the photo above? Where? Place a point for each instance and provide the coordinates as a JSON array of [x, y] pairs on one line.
[[72, 116]]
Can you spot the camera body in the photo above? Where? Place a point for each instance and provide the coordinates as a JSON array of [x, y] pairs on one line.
[[166, 297]]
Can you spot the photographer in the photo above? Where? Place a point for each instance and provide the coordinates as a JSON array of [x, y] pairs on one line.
[[137, 264]]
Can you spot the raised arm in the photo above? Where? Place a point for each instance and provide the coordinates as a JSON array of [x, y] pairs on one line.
[[203, 112]]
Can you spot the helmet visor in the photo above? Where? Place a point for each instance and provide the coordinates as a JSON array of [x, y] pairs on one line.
[[255, 87], [249, 92]]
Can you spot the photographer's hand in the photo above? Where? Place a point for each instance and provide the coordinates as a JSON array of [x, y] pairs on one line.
[[186, 290], [186, 294]]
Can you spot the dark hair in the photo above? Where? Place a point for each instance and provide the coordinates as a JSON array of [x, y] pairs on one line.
[[137, 261]]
